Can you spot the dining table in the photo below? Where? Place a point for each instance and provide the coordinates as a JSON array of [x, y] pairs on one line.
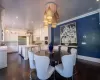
[[55, 56]]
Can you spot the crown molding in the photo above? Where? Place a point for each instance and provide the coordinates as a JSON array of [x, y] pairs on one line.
[[78, 17]]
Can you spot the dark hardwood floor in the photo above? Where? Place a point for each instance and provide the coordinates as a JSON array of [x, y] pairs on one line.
[[18, 69]]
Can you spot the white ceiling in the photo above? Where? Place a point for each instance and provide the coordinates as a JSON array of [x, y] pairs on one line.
[[30, 12]]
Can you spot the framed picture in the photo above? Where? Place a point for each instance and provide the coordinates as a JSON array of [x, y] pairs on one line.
[[68, 33]]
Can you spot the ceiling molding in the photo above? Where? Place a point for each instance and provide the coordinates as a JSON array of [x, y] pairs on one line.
[[78, 17]]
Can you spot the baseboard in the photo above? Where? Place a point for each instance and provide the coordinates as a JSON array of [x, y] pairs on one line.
[[89, 58]]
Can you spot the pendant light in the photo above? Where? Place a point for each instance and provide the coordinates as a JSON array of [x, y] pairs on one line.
[[51, 15]]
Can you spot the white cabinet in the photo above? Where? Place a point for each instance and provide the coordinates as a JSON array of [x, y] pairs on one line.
[[25, 53], [3, 57]]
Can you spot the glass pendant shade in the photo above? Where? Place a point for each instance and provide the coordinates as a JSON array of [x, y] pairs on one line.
[[45, 18], [45, 15], [45, 21], [49, 22], [46, 24], [54, 25], [49, 14], [49, 17]]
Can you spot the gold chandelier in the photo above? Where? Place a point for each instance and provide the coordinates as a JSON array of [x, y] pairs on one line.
[[51, 15]]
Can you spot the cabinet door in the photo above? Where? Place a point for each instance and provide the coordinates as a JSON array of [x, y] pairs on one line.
[[3, 59]]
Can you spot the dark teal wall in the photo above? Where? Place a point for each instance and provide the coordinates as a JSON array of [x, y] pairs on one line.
[[89, 27], [52, 35]]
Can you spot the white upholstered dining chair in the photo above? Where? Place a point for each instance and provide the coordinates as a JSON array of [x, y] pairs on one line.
[[31, 62], [74, 53], [44, 70], [64, 50], [66, 68]]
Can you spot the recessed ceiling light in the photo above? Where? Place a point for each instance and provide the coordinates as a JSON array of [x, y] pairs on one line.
[[16, 17], [32, 21], [97, 0], [13, 22]]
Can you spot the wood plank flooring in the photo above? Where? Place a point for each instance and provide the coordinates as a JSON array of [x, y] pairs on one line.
[[18, 69]]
